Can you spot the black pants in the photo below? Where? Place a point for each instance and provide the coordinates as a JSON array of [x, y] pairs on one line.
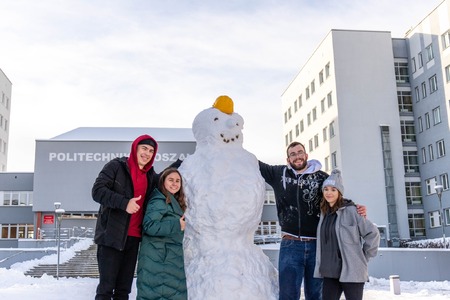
[[116, 270], [332, 289]]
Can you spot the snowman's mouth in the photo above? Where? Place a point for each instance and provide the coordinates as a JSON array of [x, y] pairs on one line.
[[228, 140]]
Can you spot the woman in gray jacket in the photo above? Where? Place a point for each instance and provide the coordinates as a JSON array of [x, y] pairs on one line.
[[345, 242]]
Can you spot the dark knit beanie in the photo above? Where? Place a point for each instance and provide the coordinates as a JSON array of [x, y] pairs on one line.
[[149, 142]]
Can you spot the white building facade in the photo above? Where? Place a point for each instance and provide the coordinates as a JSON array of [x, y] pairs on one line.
[[342, 106], [5, 112], [376, 107]]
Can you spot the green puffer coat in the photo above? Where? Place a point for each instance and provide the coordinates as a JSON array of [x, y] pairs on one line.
[[160, 272]]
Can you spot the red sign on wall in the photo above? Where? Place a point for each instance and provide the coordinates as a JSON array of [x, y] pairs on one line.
[[49, 219]]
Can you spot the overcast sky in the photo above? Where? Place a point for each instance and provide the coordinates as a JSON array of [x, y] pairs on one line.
[[153, 63]]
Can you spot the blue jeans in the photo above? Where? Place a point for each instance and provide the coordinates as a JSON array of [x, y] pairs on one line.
[[296, 264]]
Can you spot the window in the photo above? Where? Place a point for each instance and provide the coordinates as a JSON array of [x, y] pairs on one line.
[[327, 70], [427, 121], [329, 99], [435, 219], [307, 93], [16, 198], [295, 106], [324, 133], [322, 105], [331, 129], [309, 118], [311, 148], [290, 136], [413, 193], [424, 90], [419, 124], [424, 155], [267, 228], [408, 131], [297, 130], [17, 231], [445, 38], [286, 140], [316, 141], [327, 163], [314, 113], [289, 113], [300, 103], [416, 90], [437, 115], [433, 84], [447, 73], [313, 87], [430, 152], [270, 197], [404, 101], [440, 146], [401, 72], [430, 54], [413, 65], [302, 126], [419, 56], [285, 117], [411, 161], [430, 184], [416, 223], [334, 160], [321, 77], [444, 181]]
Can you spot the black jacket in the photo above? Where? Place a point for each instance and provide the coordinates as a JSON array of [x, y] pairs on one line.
[[113, 188], [297, 196]]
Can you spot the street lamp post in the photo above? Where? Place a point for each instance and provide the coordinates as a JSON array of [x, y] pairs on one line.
[[439, 189], [59, 214]]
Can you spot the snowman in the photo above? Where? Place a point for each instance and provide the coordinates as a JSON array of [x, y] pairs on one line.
[[225, 195]]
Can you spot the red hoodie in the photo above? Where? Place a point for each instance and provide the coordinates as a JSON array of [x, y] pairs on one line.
[[140, 183]]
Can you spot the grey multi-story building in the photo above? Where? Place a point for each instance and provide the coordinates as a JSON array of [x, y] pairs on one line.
[[65, 169], [5, 112], [429, 65], [376, 107]]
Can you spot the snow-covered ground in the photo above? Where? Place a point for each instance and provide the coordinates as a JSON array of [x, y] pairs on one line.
[[14, 285]]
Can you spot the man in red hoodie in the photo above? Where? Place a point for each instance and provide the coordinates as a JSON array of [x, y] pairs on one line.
[[122, 188]]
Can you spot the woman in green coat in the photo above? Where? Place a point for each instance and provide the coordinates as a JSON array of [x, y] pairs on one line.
[[160, 272]]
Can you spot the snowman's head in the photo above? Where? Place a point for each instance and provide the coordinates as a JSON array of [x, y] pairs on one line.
[[213, 127]]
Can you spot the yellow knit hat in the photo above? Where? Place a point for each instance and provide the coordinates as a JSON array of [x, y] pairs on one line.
[[224, 104]]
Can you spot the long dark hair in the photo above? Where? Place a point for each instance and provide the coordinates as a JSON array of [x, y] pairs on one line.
[[326, 208], [181, 198]]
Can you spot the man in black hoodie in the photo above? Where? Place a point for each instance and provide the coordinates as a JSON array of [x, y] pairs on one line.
[[122, 188], [298, 192]]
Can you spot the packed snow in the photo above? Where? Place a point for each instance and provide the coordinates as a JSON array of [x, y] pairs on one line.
[[225, 193], [14, 285]]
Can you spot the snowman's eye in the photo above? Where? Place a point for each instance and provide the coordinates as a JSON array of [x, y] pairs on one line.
[[216, 119]]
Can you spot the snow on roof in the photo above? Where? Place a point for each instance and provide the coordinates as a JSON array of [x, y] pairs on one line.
[[126, 134]]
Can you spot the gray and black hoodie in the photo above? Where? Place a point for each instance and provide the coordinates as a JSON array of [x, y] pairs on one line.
[[297, 196]]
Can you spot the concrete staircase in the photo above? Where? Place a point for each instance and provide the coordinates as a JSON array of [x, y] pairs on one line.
[[83, 264]]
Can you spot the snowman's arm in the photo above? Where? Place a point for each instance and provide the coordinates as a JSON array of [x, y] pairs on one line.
[[156, 221]]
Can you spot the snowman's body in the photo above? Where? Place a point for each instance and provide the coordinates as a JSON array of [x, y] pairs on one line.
[[225, 194]]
